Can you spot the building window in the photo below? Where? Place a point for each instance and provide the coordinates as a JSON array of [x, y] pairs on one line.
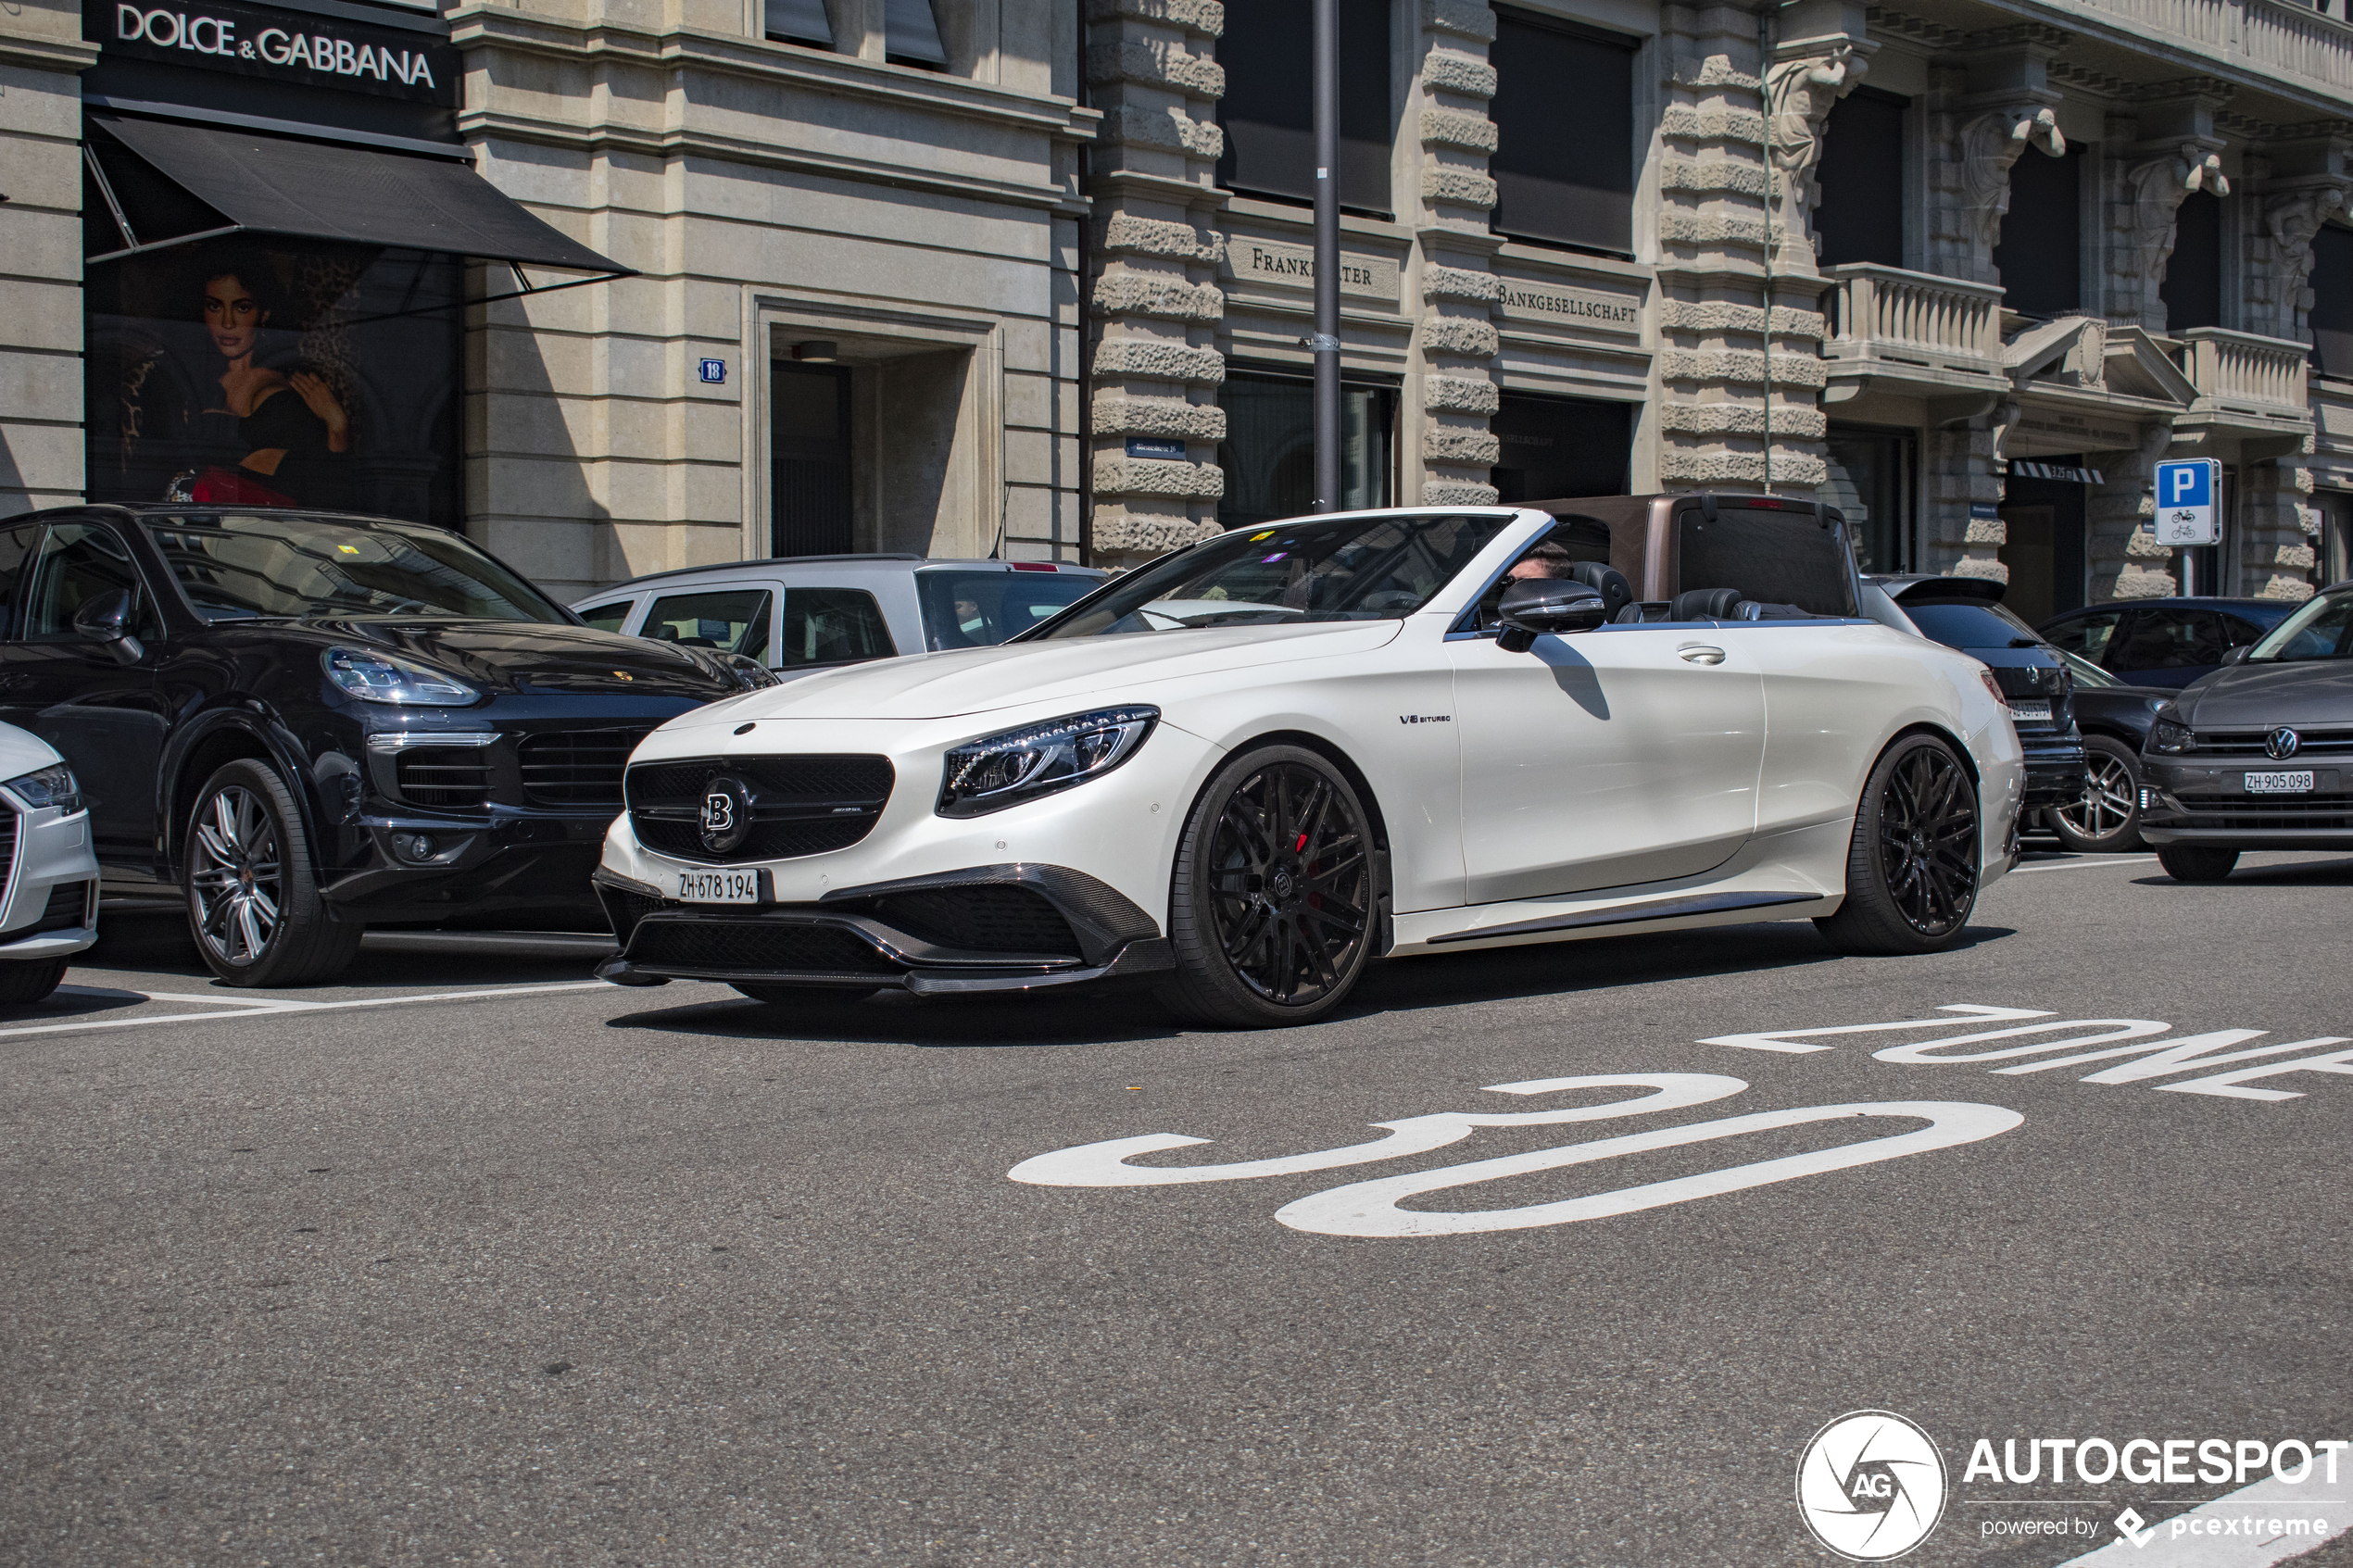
[[1565, 108], [1269, 450], [1561, 446], [1269, 109], [1870, 483], [911, 35], [1860, 217], [2332, 316], [2193, 287], [798, 21], [2041, 254]]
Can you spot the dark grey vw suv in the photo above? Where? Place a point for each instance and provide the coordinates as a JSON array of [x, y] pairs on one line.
[[2258, 755]]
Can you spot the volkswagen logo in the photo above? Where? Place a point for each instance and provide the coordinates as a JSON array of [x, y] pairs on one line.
[[726, 815], [2281, 744]]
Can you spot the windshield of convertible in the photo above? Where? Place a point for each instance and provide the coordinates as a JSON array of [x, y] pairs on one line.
[[243, 567], [1346, 568], [2322, 629]]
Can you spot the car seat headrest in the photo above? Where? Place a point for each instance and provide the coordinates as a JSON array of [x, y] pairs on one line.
[[1704, 604], [1605, 579]]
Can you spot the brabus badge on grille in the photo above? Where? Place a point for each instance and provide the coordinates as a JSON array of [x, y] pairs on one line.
[[2281, 743], [726, 815]]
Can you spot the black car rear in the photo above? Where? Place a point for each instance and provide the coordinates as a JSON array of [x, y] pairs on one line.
[[309, 725], [1967, 613]]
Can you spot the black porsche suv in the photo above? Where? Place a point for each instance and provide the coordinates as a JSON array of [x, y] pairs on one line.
[[308, 723]]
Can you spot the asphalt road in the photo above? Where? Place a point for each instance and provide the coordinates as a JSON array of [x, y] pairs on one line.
[[552, 1272]]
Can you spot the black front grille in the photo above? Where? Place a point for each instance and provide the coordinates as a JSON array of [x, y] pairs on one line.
[[69, 902], [9, 820], [755, 948], [576, 767], [995, 920], [801, 805], [2256, 813], [450, 777], [2250, 743]]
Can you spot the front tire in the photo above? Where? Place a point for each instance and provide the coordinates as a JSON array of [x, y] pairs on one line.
[[2197, 862], [1271, 910], [21, 985], [254, 906], [1912, 866], [2107, 820]]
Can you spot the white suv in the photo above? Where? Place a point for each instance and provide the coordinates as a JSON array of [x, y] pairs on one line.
[[804, 612]]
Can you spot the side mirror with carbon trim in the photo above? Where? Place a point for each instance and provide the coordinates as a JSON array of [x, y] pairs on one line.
[[1546, 607]]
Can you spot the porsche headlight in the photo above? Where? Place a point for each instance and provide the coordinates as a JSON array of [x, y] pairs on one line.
[[53, 785], [995, 772], [2166, 734], [381, 677]]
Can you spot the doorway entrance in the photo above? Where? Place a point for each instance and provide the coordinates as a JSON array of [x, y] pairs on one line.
[[808, 447], [2043, 521]]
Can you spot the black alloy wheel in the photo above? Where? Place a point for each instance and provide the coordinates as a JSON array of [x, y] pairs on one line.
[[254, 906], [1273, 904], [2107, 819], [2197, 862], [1912, 866]]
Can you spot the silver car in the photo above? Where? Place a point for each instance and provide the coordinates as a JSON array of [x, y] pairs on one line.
[[805, 612]]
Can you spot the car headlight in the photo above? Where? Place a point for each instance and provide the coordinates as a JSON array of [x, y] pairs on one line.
[[2165, 735], [995, 772], [53, 785], [382, 677]]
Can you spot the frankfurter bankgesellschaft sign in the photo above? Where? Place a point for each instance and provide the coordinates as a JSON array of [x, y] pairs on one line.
[[296, 46]]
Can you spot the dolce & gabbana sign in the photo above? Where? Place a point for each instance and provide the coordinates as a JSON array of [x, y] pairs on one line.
[[319, 51]]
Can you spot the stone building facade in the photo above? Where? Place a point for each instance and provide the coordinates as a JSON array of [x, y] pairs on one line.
[[1033, 277]]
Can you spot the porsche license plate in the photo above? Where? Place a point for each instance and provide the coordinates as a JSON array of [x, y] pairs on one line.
[[718, 887], [2039, 712], [2279, 784]]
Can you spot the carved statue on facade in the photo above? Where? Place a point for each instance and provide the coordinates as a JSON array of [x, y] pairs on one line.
[[1988, 145], [2155, 190], [1801, 92], [2293, 221]]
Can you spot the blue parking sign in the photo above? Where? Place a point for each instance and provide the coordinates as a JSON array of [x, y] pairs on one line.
[[2185, 502]]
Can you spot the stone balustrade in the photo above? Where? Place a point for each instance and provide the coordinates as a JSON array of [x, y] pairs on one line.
[[2292, 42], [2240, 373], [1912, 326]]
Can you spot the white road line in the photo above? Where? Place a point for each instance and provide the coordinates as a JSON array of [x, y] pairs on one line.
[[267, 1008], [2088, 860], [2265, 1515]]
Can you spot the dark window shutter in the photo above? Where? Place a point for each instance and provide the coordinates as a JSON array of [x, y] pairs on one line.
[[1268, 110], [2041, 254], [2332, 299], [1565, 108], [2193, 287], [1861, 173]]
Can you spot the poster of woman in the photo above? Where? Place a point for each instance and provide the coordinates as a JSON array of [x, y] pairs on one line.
[[276, 373]]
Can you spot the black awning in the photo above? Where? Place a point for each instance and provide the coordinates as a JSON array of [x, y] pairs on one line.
[[312, 190]]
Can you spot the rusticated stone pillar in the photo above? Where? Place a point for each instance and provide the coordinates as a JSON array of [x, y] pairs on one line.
[[1719, 415], [2122, 559], [1450, 395], [1152, 358]]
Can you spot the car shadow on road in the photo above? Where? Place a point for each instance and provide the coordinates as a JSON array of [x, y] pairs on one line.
[[1405, 986], [146, 943], [2301, 873]]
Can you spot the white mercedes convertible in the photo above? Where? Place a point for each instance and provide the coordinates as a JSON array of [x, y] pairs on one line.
[[1244, 772]]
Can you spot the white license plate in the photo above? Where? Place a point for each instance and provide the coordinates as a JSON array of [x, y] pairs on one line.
[[2036, 710], [2278, 783], [718, 887]]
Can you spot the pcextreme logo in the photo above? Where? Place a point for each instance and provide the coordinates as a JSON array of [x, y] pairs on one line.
[[1872, 1486]]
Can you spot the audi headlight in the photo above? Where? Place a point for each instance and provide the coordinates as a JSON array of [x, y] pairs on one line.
[[995, 772], [2166, 736], [382, 677], [53, 785]]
